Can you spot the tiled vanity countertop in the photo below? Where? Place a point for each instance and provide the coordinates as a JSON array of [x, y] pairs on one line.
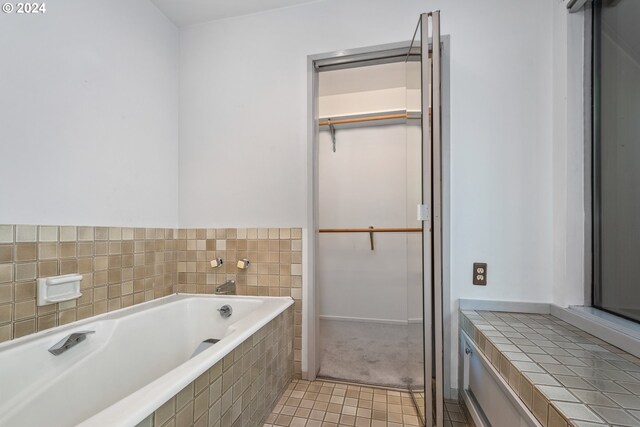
[[565, 376]]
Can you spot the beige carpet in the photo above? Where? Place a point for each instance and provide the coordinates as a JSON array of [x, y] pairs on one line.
[[368, 353]]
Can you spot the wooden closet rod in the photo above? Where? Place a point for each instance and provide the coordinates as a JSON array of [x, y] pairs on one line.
[[365, 119], [394, 115], [370, 230]]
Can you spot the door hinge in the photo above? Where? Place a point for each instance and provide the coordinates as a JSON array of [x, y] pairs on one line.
[[423, 212]]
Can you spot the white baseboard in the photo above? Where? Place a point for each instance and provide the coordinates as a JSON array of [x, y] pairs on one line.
[[367, 320]]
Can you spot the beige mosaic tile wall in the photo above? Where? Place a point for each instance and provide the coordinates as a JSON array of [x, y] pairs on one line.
[[241, 389], [125, 266], [275, 269], [120, 267]]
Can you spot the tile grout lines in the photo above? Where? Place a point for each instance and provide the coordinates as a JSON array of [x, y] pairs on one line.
[[331, 404]]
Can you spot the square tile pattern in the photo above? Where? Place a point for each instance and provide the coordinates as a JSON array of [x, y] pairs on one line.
[[120, 267], [565, 376], [124, 266], [275, 268], [455, 413], [332, 404], [239, 390]]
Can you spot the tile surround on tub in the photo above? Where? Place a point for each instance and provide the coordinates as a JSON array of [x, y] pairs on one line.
[[275, 269], [241, 389], [123, 266]]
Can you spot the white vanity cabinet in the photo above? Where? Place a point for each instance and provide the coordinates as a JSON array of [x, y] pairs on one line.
[[489, 398]]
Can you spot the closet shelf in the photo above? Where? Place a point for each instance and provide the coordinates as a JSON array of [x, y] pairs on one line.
[[380, 118]]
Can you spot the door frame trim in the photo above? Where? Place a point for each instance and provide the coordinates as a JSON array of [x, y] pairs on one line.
[[310, 317], [431, 74]]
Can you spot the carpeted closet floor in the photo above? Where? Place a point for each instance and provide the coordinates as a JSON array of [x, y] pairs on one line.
[[370, 353]]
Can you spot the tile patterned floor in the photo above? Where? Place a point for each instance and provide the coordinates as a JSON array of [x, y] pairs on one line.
[[332, 404], [453, 415]]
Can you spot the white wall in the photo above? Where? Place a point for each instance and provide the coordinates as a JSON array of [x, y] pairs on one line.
[[244, 112], [568, 108], [365, 183], [93, 85], [244, 95], [88, 115], [373, 179]]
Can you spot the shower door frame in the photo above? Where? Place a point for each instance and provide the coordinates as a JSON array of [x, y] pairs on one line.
[[310, 319]]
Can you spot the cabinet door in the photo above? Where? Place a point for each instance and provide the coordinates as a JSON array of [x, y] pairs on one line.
[[495, 405]]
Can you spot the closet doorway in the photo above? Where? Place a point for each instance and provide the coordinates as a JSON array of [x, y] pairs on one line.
[[369, 259], [377, 247]]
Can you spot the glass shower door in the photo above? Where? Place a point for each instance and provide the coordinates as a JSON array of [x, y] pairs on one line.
[[415, 318], [429, 395]]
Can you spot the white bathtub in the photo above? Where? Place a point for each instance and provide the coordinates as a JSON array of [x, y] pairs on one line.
[[138, 358]]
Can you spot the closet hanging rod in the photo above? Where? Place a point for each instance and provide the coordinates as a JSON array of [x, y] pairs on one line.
[[370, 230], [343, 120], [364, 119]]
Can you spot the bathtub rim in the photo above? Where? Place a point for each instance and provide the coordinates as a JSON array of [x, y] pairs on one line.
[[135, 407], [122, 312]]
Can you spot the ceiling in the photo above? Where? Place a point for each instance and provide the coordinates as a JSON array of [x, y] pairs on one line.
[[189, 12]]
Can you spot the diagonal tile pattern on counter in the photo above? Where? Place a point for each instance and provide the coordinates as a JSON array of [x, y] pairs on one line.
[[565, 376]]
